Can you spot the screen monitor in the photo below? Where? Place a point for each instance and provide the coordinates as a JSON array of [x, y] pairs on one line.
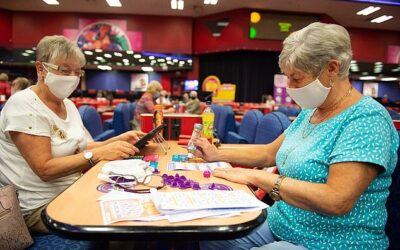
[[191, 85]]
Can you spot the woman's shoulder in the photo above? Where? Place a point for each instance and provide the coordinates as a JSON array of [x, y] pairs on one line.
[[21, 99], [368, 107]]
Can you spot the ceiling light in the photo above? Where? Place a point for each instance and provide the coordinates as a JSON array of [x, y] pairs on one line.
[[125, 60], [137, 56], [98, 50], [142, 60], [119, 64], [151, 57], [181, 4], [367, 11], [29, 51], [190, 61], [130, 52], [114, 3], [107, 55], [95, 62], [175, 60], [147, 69], [381, 19], [367, 77], [118, 54], [161, 60], [25, 54], [174, 4], [389, 79], [51, 2], [88, 52], [99, 58], [104, 67], [213, 2]]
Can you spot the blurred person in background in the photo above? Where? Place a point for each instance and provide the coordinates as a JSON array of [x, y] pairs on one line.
[[193, 105], [5, 88], [19, 83]]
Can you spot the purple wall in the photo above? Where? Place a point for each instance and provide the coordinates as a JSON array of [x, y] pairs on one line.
[[391, 89], [108, 80]]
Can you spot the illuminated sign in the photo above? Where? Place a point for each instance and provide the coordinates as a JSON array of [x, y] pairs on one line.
[[276, 26]]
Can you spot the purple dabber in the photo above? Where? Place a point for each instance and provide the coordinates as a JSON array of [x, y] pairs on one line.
[[181, 182]]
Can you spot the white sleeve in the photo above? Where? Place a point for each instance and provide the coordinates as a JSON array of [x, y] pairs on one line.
[[22, 114]]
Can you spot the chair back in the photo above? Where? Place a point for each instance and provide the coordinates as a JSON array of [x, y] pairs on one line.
[[283, 110], [131, 107], [270, 127], [224, 121], [91, 120], [292, 111], [393, 207], [121, 119], [248, 126]]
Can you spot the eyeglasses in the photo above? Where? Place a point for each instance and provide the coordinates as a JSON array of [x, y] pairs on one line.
[[130, 183], [64, 70]]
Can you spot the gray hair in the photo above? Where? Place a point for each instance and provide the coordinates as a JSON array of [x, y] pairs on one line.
[[22, 82], [51, 48], [311, 48], [3, 77]]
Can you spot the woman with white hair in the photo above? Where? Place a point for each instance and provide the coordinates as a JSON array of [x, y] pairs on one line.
[[43, 146], [335, 160]]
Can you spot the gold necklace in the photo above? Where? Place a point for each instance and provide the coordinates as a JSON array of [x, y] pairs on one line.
[[305, 134]]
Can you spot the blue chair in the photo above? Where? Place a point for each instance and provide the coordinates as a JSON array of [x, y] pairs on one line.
[[92, 122], [270, 127], [121, 122], [393, 114], [224, 121], [292, 111], [393, 207], [131, 107], [51, 241], [247, 128], [283, 110]]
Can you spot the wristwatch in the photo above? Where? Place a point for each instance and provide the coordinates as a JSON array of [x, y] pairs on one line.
[[88, 155], [274, 193]]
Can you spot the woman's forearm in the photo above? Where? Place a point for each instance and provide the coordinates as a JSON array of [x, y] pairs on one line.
[[249, 155]]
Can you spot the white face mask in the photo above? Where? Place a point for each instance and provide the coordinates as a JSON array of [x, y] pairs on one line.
[[310, 96], [61, 86]]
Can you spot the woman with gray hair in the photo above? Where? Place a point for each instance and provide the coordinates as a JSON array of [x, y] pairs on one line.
[[335, 160], [19, 83], [43, 146]]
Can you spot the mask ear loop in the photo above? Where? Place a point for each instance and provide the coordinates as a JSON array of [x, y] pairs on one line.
[[331, 83]]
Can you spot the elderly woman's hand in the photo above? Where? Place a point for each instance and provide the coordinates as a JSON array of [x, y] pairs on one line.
[[238, 175], [131, 136], [114, 151], [205, 150]]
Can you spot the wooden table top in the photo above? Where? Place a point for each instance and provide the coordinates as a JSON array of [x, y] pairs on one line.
[[75, 213]]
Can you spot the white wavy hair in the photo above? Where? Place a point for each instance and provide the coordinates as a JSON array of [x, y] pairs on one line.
[[311, 48], [58, 47]]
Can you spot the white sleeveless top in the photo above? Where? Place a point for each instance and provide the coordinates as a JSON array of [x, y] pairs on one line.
[[24, 112]]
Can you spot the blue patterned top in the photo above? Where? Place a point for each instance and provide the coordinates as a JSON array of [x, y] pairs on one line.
[[364, 133]]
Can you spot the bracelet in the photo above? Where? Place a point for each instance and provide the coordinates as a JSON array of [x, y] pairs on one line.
[[274, 193]]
